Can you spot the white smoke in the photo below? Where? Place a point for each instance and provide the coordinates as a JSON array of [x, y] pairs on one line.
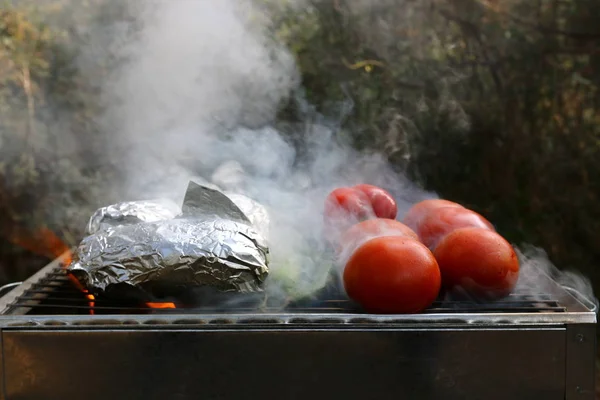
[[199, 96], [536, 268]]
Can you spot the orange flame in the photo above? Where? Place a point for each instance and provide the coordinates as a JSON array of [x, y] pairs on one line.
[[161, 305], [78, 285], [45, 243]]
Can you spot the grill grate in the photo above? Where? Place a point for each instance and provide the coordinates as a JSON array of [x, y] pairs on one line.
[[54, 294]]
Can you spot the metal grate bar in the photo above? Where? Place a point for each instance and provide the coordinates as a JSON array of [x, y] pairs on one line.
[[55, 294], [202, 310], [77, 298]]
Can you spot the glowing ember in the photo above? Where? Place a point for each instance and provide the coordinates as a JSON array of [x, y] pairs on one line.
[[161, 305], [46, 243], [78, 285]]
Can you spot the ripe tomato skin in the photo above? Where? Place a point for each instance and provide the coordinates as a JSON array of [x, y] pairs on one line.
[[441, 221], [417, 212], [348, 202], [343, 208], [384, 205], [379, 227], [479, 262], [392, 275], [372, 228]]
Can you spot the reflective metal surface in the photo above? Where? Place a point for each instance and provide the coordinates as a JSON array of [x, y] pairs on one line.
[[575, 312], [256, 212], [131, 212], [581, 361], [8, 287], [296, 355], [252, 364], [210, 245]]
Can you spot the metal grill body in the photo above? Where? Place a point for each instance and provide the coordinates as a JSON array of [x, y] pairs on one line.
[[524, 347]]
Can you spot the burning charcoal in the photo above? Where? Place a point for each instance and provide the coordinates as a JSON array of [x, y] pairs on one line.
[[131, 212], [211, 244]]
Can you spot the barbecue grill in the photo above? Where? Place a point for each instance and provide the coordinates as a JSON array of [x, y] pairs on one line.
[[57, 345]]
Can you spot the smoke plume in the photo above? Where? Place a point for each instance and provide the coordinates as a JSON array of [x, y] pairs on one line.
[[192, 92], [197, 99]]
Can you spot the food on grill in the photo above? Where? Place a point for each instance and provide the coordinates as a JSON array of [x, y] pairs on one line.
[[392, 275], [372, 228], [394, 267], [343, 208], [473, 258], [478, 262], [441, 221], [346, 206], [299, 276], [256, 212], [347, 203], [420, 210], [211, 244], [382, 202], [131, 212]]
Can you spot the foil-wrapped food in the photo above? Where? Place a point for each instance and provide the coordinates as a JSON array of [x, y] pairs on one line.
[[131, 212], [256, 212], [210, 243]]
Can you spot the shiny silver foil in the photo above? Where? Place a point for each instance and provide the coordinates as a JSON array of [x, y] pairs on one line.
[[256, 212], [131, 212], [212, 243]]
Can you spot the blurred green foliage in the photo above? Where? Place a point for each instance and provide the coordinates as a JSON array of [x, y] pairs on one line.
[[491, 103]]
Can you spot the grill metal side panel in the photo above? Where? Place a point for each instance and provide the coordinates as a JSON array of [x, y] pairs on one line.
[[581, 362], [328, 364], [2, 377]]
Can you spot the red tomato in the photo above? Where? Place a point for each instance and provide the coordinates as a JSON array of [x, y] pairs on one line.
[[392, 275], [348, 202], [417, 212], [372, 228], [384, 205], [479, 262], [441, 221], [343, 208]]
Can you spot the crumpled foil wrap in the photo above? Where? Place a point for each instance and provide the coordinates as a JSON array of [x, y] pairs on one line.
[[211, 243], [256, 212], [131, 212]]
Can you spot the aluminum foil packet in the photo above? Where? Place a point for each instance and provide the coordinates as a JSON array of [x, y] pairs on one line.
[[131, 212], [256, 212], [211, 243]]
